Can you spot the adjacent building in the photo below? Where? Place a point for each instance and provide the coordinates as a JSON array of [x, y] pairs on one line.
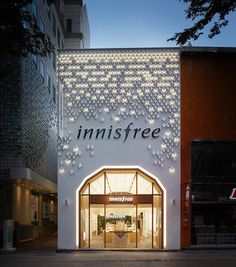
[[146, 149], [208, 134], [30, 93]]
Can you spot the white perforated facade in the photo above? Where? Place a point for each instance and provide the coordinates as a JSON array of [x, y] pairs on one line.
[[120, 109]]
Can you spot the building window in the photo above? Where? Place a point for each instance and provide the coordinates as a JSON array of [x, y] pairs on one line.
[[54, 61], [2, 192], [49, 11], [58, 38], [54, 24], [62, 45], [41, 25], [69, 25], [49, 56], [62, 14], [49, 83], [34, 10], [42, 69], [213, 205], [54, 94], [34, 58]]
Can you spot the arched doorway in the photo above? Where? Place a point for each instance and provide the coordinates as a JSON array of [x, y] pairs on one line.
[[121, 208]]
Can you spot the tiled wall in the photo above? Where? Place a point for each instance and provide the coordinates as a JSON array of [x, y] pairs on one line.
[[28, 120]]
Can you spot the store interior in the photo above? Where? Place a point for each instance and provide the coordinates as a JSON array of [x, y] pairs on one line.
[[121, 225]]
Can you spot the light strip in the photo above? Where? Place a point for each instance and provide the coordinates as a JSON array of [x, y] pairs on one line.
[[121, 168]]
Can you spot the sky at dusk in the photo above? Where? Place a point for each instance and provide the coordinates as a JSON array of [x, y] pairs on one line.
[[145, 23]]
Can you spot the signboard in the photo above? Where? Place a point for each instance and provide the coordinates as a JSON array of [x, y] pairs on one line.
[[52, 210], [121, 199], [233, 194], [186, 203]]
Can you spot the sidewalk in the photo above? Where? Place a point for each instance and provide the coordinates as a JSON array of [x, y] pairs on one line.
[[42, 244]]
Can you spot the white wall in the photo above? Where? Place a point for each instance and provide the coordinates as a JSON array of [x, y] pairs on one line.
[[148, 90], [84, 27]]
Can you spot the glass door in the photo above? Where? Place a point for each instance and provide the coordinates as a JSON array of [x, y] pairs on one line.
[[97, 226], [121, 209], [144, 226], [121, 226]]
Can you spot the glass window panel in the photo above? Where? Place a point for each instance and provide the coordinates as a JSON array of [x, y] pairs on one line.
[[144, 185], [121, 183], [120, 226], [41, 25], [54, 24], [97, 185], [144, 226], [85, 190], [157, 221], [42, 69], [84, 222], [97, 226], [156, 190], [69, 25], [34, 10]]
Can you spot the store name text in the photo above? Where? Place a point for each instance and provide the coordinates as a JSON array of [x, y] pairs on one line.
[[117, 133]]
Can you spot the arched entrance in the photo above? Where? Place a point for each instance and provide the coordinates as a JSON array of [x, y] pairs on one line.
[[121, 208]]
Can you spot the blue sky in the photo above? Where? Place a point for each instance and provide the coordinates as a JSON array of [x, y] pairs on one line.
[[145, 23]]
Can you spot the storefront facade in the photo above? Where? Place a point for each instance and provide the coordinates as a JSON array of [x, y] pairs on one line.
[[119, 149]]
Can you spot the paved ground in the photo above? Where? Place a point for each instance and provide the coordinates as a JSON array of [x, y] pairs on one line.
[[42, 252], [121, 259]]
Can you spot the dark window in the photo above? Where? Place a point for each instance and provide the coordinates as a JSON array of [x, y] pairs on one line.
[[62, 45], [54, 24], [41, 25], [213, 187], [42, 69], [54, 60], [34, 10], [49, 11], [49, 55], [212, 159], [49, 83], [34, 57], [68, 25], [2, 192], [58, 38], [54, 94]]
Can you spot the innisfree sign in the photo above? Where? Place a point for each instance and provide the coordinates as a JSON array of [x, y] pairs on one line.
[[117, 133]]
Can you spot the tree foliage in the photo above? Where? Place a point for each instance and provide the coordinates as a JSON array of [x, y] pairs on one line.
[[19, 30], [206, 11]]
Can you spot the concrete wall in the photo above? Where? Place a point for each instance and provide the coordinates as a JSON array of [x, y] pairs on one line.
[[85, 42]]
